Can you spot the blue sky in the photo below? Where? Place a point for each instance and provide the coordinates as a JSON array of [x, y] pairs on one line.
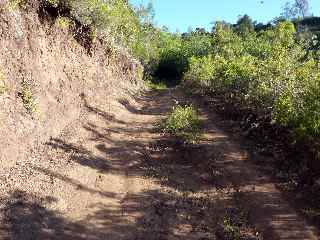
[[180, 14]]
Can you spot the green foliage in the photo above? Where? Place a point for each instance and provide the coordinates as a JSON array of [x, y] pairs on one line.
[[63, 22], [231, 231], [27, 98], [156, 85], [183, 122], [15, 4], [235, 222], [53, 2], [271, 72], [171, 61], [201, 70], [117, 21], [175, 51], [244, 25]]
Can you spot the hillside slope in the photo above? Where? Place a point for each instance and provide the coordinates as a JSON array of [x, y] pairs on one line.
[[45, 72], [47, 78]]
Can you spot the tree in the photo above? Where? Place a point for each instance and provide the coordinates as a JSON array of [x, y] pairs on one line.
[[289, 11], [262, 27], [244, 25], [300, 8], [200, 31], [146, 14]]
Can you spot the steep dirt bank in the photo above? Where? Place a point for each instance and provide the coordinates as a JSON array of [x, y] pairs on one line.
[[45, 72], [49, 78]]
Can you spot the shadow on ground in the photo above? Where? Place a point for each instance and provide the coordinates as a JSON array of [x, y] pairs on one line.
[[201, 184]]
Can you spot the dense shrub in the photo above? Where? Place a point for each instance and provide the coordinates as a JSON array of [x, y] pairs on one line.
[[175, 51], [271, 72], [171, 63], [115, 20]]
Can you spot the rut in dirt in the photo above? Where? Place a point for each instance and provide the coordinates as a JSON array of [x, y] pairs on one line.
[[114, 176]]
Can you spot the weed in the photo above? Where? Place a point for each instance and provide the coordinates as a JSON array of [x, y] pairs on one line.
[[184, 123], [63, 22], [231, 230], [156, 86], [53, 3], [235, 223], [15, 4], [28, 99]]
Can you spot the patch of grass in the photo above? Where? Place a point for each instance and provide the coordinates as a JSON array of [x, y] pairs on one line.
[[28, 99], [63, 22], [184, 123], [156, 86], [15, 4]]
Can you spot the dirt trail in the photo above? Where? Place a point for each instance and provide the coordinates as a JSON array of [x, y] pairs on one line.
[[112, 176]]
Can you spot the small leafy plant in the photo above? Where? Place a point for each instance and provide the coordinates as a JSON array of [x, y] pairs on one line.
[[236, 226], [156, 85], [15, 4], [27, 98], [184, 123], [231, 230], [63, 22]]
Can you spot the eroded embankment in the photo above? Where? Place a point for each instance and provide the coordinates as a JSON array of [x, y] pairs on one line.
[[45, 72], [47, 79]]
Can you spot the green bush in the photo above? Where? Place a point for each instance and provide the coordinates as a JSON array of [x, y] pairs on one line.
[[63, 22], [184, 123], [115, 20], [171, 62], [201, 70], [271, 72], [175, 51], [15, 4]]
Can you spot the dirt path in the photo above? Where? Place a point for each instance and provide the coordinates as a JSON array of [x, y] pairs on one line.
[[112, 176]]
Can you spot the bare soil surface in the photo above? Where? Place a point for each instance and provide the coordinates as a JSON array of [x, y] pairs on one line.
[[112, 175]]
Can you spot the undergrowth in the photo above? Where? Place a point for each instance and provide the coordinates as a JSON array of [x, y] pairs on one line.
[[63, 22], [184, 123], [270, 72], [156, 85], [235, 223], [28, 98], [15, 4]]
